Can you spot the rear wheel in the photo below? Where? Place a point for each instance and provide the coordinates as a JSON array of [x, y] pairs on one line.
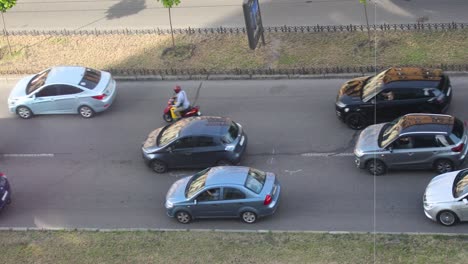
[[183, 217], [376, 167], [167, 117], [447, 218], [356, 121], [249, 217], [86, 111], [24, 112], [158, 166], [443, 166]]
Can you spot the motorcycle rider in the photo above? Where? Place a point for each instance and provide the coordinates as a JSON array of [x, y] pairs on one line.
[[182, 103]]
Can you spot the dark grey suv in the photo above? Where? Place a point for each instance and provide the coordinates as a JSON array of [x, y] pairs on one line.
[[413, 141], [195, 142]]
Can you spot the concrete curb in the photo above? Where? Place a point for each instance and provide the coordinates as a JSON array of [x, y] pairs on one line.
[[259, 231], [220, 77]]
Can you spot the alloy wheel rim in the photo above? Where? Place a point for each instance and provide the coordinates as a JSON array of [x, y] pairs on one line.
[[85, 111], [248, 217], [183, 217], [23, 112], [447, 218], [158, 167], [376, 168], [444, 167]]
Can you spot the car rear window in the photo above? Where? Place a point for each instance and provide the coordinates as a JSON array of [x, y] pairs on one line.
[[457, 131], [91, 78], [197, 182], [255, 180], [231, 134], [37, 81], [460, 185]]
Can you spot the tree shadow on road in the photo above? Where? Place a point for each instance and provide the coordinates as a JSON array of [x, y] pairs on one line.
[[125, 8]]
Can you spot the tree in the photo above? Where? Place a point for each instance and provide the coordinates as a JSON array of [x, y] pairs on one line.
[[4, 6], [364, 2], [169, 4]]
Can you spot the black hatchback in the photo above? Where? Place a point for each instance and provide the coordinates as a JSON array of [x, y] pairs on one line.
[[5, 191], [195, 142], [391, 94]]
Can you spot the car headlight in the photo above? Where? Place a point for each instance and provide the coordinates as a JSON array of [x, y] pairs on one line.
[[359, 153], [169, 205], [340, 104], [346, 110]]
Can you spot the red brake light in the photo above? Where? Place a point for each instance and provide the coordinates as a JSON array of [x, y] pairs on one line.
[[268, 200], [99, 97], [458, 148]]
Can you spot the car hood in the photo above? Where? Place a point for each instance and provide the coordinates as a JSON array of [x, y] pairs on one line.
[[177, 191], [368, 139], [151, 139], [439, 188], [20, 88]]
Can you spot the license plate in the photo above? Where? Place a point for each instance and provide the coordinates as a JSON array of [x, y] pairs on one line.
[[4, 196], [242, 141]]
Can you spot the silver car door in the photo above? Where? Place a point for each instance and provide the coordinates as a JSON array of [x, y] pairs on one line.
[[68, 98], [208, 204], [233, 201], [462, 208], [44, 100]]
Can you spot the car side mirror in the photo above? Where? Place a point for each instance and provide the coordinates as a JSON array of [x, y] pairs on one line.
[[390, 148], [372, 101], [195, 201], [465, 201]]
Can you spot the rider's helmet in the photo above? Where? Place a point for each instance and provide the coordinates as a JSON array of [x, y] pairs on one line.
[[177, 89]]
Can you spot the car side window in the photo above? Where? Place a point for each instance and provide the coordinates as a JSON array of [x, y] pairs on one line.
[[442, 141], [403, 143], [67, 89], [48, 91], [386, 95], [209, 195], [233, 194], [187, 142], [205, 142], [424, 141]]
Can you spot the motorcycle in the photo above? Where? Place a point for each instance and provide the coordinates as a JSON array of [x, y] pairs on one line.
[[169, 114]]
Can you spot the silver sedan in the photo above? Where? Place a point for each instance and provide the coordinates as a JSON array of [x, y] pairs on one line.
[[63, 90]]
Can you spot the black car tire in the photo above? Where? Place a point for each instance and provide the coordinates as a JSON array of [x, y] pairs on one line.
[[443, 166], [86, 111], [24, 112], [376, 167], [223, 163], [158, 166], [249, 217], [356, 121], [183, 217], [167, 118], [447, 218]]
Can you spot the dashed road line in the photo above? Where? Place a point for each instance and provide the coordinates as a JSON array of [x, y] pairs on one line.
[[28, 155], [327, 154]]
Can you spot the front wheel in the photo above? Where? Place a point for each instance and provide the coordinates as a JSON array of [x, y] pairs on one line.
[[443, 166], [249, 217], [356, 121], [167, 117], [447, 218], [183, 217], [86, 111], [376, 167], [158, 166], [24, 112]]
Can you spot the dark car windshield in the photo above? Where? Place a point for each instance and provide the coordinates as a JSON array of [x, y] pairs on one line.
[[255, 180], [460, 185], [197, 182], [231, 134], [373, 86], [169, 133], [37, 81], [390, 132]]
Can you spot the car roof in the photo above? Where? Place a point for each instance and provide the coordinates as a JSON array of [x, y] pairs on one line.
[[205, 125], [231, 175], [433, 123], [412, 74], [65, 74]]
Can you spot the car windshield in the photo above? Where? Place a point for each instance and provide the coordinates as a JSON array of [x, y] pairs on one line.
[[37, 81], [231, 134], [197, 182], [390, 131], [255, 180], [460, 185], [373, 86], [169, 134]]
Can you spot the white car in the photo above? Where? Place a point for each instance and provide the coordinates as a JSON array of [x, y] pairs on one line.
[[446, 198], [63, 90]]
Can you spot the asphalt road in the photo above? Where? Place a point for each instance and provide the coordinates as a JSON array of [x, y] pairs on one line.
[[113, 14], [71, 172]]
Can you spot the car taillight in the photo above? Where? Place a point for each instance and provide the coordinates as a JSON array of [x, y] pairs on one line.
[[268, 200], [2, 174], [99, 97], [458, 148]]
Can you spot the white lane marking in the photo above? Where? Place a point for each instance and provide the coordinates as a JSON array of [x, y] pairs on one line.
[[292, 172], [29, 155], [272, 158], [327, 154]]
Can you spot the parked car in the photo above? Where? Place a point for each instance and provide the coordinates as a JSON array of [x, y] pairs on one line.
[[413, 141], [63, 90], [224, 192], [393, 93], [5, 191], [195, 142], [446, 198]]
